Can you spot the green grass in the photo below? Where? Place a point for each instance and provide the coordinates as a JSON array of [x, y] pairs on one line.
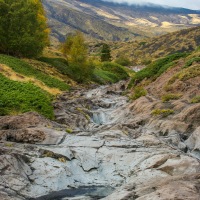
[[156, 68], [24, 68], [17, 97]]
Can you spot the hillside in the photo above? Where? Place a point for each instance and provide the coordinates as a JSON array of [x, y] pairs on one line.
[[124, 22], [145, 50]]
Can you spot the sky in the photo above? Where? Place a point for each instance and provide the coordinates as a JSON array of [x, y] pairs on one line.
[[191, 4]]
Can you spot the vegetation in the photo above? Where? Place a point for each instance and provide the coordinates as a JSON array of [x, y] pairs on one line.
[[195, 99], [105, 53], [168, 97], [191, 61], [76, 52], [162, 112], [16, 97], [22, 67], [138, 92], [150, 49], [116, 69], [60, 64], [156, 68], [123, 60], [23, 28], [186, 74]]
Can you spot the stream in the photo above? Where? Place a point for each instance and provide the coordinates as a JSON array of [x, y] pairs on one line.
[[99, 148]]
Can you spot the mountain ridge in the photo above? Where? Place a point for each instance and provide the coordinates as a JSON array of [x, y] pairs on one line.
[[124, 22]]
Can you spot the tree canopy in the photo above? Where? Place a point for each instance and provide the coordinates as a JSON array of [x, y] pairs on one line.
[[23, 28]]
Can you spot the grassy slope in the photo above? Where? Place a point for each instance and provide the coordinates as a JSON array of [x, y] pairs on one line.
[[25, 87], [29, 85], [171, 78]]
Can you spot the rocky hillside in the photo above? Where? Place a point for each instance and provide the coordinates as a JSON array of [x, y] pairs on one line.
[[144, 51], [124, 22]]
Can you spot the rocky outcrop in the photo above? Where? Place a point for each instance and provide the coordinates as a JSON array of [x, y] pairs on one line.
[[30, 128], [109, 142]]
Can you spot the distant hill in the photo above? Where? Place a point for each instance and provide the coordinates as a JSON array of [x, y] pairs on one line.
[[115, 22], [144, 50]]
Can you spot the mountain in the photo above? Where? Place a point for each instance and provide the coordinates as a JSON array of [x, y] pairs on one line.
[[113, 21]]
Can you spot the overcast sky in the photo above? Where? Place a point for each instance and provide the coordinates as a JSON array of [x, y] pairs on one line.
[[191, 4]]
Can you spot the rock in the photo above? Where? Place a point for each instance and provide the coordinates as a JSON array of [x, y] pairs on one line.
[[125, 148], [30, 128], [193, 142]]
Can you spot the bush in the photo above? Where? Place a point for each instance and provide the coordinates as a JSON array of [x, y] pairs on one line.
[[195, 99], [138, 92], [17, 97], [24, 68], [163, 112], [168, 97]]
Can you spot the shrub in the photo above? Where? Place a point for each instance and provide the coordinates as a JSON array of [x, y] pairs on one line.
[[162, 112], [195, 99], [17, 97], [168, 97], [138, 92]]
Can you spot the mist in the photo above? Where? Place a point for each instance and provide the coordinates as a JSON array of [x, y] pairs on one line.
[[190, 4]]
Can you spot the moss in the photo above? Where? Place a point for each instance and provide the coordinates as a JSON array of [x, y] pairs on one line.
[[162, 112]]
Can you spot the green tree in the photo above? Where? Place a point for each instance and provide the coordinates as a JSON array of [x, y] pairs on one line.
[[23, 28], [105, 53], [76, 52]]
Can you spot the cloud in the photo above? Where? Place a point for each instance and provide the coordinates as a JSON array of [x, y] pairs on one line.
[[191, 4]]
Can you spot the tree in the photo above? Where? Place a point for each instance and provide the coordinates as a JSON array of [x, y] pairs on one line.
[[23, 28], [76, 52], [105, 53], [75, 48]]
